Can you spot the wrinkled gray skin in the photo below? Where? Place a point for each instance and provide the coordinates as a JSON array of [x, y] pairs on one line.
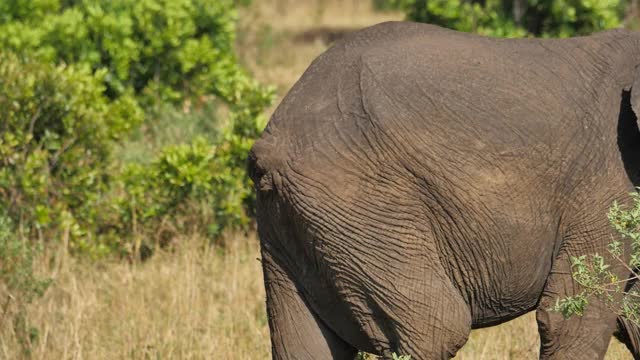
[[417, 183]]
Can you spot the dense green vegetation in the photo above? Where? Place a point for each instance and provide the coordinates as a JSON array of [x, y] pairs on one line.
[[515, 18], [82, 80], [58, 132], [160, 49]]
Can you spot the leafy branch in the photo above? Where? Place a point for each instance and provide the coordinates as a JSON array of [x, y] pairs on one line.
[[595, 276]]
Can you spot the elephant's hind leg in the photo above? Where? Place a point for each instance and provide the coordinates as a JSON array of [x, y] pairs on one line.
[[296, 331], [414, 309], [585, 337]]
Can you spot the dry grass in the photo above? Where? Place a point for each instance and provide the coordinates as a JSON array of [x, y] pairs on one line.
[[195, 303]]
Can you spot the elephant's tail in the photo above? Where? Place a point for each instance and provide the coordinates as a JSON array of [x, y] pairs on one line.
[[264, 164], [628, 333]]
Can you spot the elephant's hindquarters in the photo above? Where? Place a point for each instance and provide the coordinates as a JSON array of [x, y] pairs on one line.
[[359, 256], [371, 248]]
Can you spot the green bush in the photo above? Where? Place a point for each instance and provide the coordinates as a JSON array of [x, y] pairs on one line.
[[83, 76], [57, 133], [516, 18], [187, 188], [364, 356], [159, 49]]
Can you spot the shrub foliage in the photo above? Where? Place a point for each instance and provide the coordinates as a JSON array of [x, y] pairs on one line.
[[56, 137], [195, 187], [78, 78], [160, 48], [515, 18], [595, 272]]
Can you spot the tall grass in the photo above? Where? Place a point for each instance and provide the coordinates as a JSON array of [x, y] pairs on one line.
[[194, 302], [191, 302]]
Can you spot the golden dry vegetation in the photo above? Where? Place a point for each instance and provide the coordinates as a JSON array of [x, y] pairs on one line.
[[198, 301], [194, 302]]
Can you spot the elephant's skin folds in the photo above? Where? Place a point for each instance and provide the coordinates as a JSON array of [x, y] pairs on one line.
[[418, 182]]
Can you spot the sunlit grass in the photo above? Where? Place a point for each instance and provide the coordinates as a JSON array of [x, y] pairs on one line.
[[193, 302]]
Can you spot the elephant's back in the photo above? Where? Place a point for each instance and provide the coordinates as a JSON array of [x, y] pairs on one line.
[[429, 99], [421, 84]]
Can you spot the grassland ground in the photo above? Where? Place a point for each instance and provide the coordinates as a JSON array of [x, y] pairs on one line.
[[193, 302], [196, 301]]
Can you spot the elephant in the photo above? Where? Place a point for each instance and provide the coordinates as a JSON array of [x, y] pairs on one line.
[[418, 182]]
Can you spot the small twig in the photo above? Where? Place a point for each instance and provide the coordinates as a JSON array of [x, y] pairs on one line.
[[617, 282], [594, 289], [32, 125], [65, 146], [625, 265]]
